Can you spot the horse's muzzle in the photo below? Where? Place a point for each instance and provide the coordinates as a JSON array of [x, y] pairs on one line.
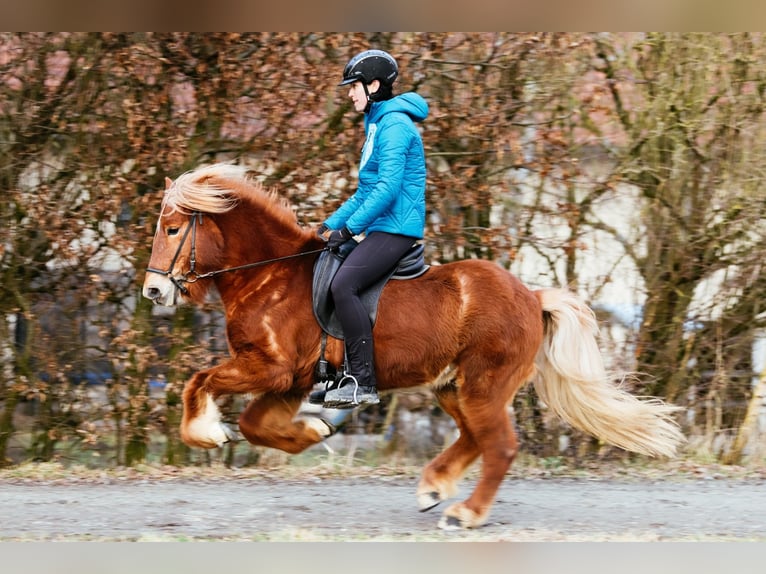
[[160, 291]]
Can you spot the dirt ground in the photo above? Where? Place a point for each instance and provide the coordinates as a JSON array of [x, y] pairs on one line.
[[373, 506]]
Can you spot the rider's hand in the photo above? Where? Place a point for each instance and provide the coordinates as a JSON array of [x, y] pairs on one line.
[[338, 237]]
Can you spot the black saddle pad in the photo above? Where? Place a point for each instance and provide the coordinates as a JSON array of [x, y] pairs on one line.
[[410, 266]]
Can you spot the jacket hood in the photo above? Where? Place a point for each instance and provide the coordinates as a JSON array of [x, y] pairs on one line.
[[409, 103]]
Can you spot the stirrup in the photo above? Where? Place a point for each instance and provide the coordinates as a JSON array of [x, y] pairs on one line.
[[348, 393]]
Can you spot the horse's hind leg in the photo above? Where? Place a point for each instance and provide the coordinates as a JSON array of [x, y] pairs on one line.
[[270, 420], [440, 477], [483, 413]]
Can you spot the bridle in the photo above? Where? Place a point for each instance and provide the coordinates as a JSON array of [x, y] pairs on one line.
[[191, 276]]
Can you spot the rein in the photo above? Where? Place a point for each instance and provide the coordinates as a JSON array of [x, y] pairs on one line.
[[191, 276]]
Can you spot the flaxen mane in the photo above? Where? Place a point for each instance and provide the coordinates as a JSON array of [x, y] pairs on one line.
[[218, 188]]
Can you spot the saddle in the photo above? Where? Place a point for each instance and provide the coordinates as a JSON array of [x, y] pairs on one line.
[[411, 265]]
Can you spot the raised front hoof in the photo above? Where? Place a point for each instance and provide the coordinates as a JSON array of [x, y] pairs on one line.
[[319, 424], [231, 433], [460, 517]]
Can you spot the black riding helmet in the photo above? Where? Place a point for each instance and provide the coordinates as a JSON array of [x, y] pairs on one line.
[[368, 66]]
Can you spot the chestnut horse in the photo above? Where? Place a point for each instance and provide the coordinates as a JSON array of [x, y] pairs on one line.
[[469, 330]]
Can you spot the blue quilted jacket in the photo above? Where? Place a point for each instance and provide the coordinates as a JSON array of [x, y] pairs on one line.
[[392, 173]]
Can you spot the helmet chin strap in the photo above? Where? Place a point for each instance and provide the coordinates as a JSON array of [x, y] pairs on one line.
[[369, 99]]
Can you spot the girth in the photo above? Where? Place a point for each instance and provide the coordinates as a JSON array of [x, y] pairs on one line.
[[411, 265]]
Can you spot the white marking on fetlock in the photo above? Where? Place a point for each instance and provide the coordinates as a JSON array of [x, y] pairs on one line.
[[207, 427], [322, 427]]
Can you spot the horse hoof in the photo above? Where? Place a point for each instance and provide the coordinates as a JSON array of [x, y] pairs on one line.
[[231, 434], [427, 500], [331, 429], [460, 517], [451, 523], [324, 428]]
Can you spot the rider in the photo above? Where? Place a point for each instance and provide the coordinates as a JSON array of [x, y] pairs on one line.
[[388, 207]]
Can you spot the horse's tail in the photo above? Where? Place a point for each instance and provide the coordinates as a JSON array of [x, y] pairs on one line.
[[573, 382]]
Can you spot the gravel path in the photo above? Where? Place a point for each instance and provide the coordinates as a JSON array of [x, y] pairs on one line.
[[379, 508]]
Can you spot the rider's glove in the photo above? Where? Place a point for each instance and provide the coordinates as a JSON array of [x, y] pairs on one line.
[[338, 237]]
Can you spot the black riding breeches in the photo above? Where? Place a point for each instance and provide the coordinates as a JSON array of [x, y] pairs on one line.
[[377, 254]]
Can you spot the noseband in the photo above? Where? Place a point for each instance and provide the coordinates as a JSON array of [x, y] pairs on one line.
[[191, 276]]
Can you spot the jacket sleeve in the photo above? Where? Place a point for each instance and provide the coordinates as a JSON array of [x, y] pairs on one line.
[[392, 143], [341, 215]]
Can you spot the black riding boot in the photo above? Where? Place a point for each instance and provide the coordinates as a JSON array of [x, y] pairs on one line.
[[358, 385]]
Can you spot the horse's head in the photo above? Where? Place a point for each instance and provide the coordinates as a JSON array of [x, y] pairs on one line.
[[200, 234], [187, 243]]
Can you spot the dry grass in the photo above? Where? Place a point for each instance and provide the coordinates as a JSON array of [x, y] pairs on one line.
[[342, 467]]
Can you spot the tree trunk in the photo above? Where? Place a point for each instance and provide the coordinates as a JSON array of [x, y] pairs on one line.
[[754, 406], [6, 424], [137, 377], [176, 452]]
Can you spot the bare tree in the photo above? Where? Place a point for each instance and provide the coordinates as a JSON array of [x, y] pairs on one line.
[[530, 140]]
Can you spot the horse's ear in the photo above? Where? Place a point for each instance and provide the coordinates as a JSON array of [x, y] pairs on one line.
[[168, 183]]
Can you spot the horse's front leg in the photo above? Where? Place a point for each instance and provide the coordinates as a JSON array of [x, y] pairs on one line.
[[201, 423], [271, 420]]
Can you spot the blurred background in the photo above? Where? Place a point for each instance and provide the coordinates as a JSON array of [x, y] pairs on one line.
[[628, 167]]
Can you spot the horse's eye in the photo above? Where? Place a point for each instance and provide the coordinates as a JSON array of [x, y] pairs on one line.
[[172, 231]]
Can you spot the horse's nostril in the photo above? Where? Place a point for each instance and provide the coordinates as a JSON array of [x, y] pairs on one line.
[[152, 293]]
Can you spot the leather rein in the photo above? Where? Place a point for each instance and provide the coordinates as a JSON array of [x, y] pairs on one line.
[[191, 276]]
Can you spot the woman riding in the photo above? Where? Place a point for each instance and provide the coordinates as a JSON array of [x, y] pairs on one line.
[[388, 207]]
